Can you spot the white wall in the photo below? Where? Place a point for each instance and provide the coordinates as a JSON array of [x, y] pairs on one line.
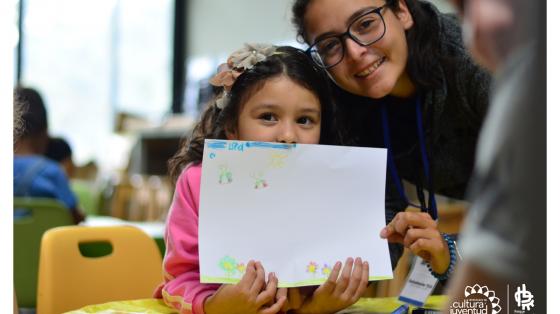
[[217, 27]]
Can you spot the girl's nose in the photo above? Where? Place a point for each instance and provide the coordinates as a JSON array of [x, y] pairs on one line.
[[287, 134], [354, 50]]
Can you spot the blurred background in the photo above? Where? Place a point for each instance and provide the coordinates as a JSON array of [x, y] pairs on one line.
[[124, 80]]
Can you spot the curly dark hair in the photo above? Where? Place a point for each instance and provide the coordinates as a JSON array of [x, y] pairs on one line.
[[424, 51], [32, 111], [214, 122]]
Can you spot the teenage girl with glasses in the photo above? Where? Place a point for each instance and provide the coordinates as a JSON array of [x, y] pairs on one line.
[[406, 82]]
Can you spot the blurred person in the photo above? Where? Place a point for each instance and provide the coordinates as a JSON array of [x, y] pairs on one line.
[[60, 151], [18, 122], [17, 129], [504, 236], [34, 174]]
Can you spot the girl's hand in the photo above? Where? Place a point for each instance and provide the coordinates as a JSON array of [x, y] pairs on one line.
[[248, 296], [335, 295], [294, 301], [418, 232]]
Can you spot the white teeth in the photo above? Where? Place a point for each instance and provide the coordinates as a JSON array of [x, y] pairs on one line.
[[372, 68]]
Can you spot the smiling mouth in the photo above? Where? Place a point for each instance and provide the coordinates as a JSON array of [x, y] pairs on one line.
[[371, 68]]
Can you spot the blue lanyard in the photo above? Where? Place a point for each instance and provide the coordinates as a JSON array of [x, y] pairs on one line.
[[432, 206]]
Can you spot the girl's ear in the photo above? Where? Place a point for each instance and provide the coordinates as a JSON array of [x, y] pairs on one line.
[[404, 16], [231, 134]]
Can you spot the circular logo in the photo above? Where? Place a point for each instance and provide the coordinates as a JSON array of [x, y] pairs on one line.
[[478, 300]]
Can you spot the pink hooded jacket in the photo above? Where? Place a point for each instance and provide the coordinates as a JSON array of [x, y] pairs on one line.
[[182, 288]]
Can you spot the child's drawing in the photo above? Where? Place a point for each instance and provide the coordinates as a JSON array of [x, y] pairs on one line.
[[225, 175], [326, 270], [228, 265], [278, 160], [231, 267], [260, 183], [241, 267], [312, 268]]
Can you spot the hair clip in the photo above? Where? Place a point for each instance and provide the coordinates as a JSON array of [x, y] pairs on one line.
[[238, 62]]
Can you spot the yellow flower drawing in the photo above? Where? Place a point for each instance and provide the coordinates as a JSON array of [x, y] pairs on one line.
[[228, 264], [241, 268], [326, 270], [277, 160], [312, 267]]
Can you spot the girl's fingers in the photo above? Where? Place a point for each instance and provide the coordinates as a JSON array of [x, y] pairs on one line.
[[258, 283], [295, 300], [268, 294], [391, 234], [417, 233], [363, 283], [250, 273], [439, 259], [344, 279], [432, 244], [328, 286], [355, 278], [422, 247], [274, 308], [283, 292], [406, 220]]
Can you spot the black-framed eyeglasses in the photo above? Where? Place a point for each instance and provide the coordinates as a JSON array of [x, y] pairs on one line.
[[365, 30]]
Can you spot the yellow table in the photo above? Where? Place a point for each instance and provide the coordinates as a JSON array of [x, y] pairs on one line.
[[143, 306], [154, 306], [388, 305]]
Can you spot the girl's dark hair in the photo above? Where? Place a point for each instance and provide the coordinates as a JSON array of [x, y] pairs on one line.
[[214, 122], [424, 51]]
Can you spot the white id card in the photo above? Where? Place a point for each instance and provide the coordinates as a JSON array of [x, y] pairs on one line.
[[419, 284]]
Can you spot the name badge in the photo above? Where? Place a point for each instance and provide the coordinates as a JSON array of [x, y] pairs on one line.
[[419, 285]]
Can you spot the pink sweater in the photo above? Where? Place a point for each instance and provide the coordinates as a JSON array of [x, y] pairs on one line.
[[182, 288]]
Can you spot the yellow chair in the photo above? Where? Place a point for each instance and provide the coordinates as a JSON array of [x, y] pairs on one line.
[[68, 280]]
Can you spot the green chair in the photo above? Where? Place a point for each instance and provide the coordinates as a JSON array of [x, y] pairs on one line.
[[88, 196], [32, 217]]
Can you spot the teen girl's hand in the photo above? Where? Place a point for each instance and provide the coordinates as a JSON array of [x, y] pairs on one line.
[[338, 293], [418, 232], [251, 295]]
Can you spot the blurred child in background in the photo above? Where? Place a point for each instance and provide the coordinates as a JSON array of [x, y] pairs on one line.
[[34, 174], [59, 150]]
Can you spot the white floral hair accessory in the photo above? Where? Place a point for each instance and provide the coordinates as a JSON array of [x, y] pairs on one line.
[[238, 62]]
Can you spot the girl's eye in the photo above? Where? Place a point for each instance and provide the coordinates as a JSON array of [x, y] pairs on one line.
[[305, 120], [267, 116], [329, 46], [365, 24], [369, 24]]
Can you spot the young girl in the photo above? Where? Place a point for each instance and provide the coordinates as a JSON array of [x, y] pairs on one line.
[[271, 94], [406, 82]]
